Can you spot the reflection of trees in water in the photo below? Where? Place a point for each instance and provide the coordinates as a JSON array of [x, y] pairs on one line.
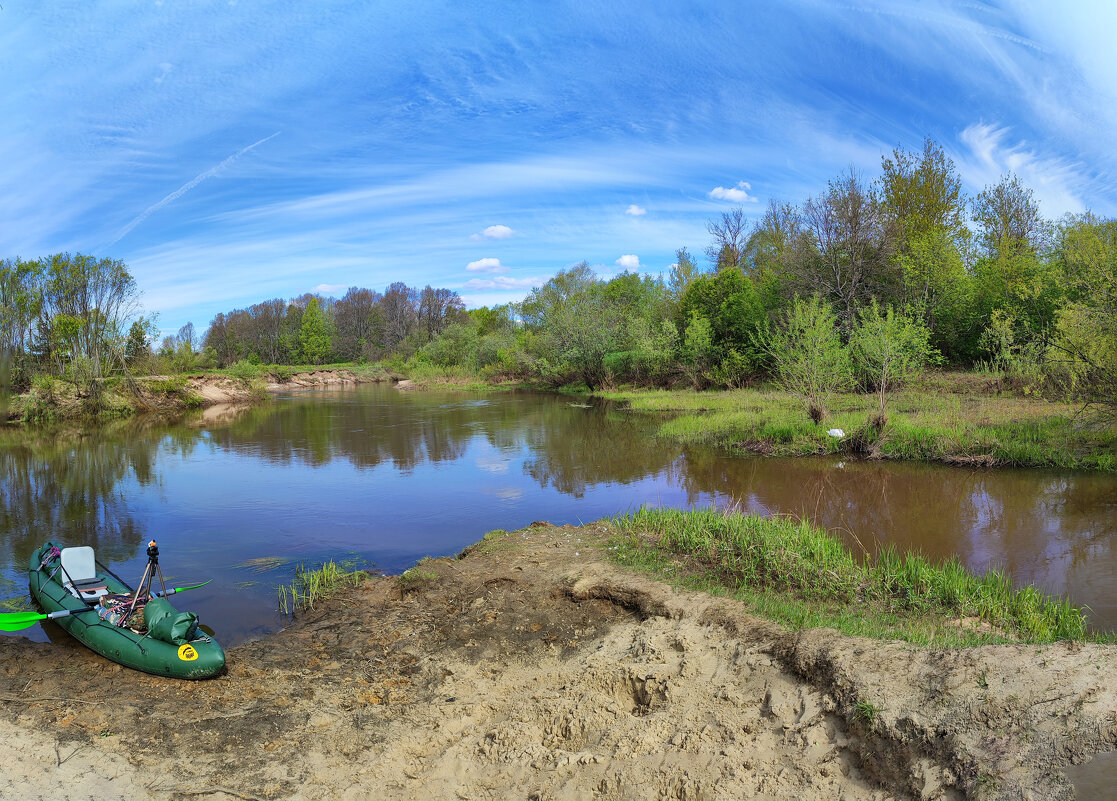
[[574, 448], [1033, 524], [308, 431], [571, 447], [65, 486]]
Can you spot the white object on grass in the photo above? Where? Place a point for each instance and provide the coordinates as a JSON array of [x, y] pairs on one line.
[[836, 432]]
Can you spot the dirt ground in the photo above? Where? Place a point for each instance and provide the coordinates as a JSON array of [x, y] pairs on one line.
[[530, 668]]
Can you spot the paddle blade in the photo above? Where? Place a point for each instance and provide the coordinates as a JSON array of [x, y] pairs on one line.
[[17, 621], [181, 589]]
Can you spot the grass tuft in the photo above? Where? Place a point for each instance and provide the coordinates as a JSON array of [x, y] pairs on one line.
[[311, 586]]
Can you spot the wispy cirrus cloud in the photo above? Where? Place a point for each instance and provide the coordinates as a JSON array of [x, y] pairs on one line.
[[734, 194], [486, 265], [328, 289], [503, 282], [991, 154]]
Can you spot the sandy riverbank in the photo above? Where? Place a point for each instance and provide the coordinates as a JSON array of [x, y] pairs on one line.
[[531, 668]]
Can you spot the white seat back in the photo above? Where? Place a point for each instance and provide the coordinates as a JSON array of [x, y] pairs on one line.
[[78, 563]]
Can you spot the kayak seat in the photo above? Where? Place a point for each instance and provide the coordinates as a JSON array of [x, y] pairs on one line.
[[79, 574]]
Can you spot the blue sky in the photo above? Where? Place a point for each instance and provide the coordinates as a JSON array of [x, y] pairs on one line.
[[238, 151]]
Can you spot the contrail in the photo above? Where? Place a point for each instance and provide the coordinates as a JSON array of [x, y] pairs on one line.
[[182, 190]]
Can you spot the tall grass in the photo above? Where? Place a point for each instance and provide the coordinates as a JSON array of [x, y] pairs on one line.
[[803, 575], [310, 586]]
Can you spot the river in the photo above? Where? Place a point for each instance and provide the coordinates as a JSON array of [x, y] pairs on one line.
[[383, 478]]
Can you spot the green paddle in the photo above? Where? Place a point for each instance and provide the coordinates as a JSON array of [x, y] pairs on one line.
[[181, 589], [15, 621]]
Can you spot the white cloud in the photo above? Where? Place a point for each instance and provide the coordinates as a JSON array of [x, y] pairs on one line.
[[629, 262], [486, 265], [503, 282], [635, 210], [328, 289], [493, 232], [735, 194]]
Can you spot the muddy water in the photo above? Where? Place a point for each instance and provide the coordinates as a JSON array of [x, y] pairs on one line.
[[386, 477]]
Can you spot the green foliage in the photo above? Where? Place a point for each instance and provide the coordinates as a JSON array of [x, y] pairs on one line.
[[315, 334], [888, 349], [807, 355], [1084, 345], [244, 371], [730, 304]]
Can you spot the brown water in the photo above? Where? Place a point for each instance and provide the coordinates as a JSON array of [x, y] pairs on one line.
[[387, 477]]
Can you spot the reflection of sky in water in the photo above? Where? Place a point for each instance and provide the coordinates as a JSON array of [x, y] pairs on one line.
[[391, 477]]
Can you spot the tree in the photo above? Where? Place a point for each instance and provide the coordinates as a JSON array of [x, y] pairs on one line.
[[807, 355], [438, 308], [852, 246], [728, 301], [776, 244], [730, 234], [1009, 218], [1015, 285], [187, 338], [314, 333], [400, 312], [360, 324], [888, 349], [85, 305], [683, 271], [922, 196], [1084, 343], [571, 326]]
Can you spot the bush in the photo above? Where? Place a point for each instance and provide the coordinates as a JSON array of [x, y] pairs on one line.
[[807, 355]]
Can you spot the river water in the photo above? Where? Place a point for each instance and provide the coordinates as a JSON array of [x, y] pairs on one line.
[[387, 477]]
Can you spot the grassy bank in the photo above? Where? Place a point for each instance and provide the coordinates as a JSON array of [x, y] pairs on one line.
[[804, 577], [948, 418]]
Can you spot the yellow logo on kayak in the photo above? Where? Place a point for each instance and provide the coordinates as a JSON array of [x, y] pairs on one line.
[[187, 653]]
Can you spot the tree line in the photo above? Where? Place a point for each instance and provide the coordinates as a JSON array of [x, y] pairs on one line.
[[869, 279]]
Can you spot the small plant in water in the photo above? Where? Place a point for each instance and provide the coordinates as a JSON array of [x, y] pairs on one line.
[[311, 586]]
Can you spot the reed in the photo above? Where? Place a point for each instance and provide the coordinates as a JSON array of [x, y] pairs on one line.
[[799, 574], [312, 585]]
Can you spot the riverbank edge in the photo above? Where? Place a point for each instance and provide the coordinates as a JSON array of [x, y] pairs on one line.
[[468, 644], [180, 393], [1032, 433]]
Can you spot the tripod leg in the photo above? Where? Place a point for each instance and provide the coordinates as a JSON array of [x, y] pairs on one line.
[[162, 583], [145, 579]]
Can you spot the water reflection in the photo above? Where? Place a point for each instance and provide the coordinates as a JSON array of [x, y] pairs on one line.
[[391, 476]]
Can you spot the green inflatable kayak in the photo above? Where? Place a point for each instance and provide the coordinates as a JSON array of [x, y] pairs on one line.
[[97, 609]]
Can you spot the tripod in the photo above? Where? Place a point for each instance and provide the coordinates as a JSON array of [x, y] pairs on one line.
[[143, 590]]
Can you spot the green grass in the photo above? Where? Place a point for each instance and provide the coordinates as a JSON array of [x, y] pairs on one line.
[[311, 586], [802, 576], [946, 418]]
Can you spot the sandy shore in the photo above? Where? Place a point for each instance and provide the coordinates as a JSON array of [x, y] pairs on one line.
[[530, 668]]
